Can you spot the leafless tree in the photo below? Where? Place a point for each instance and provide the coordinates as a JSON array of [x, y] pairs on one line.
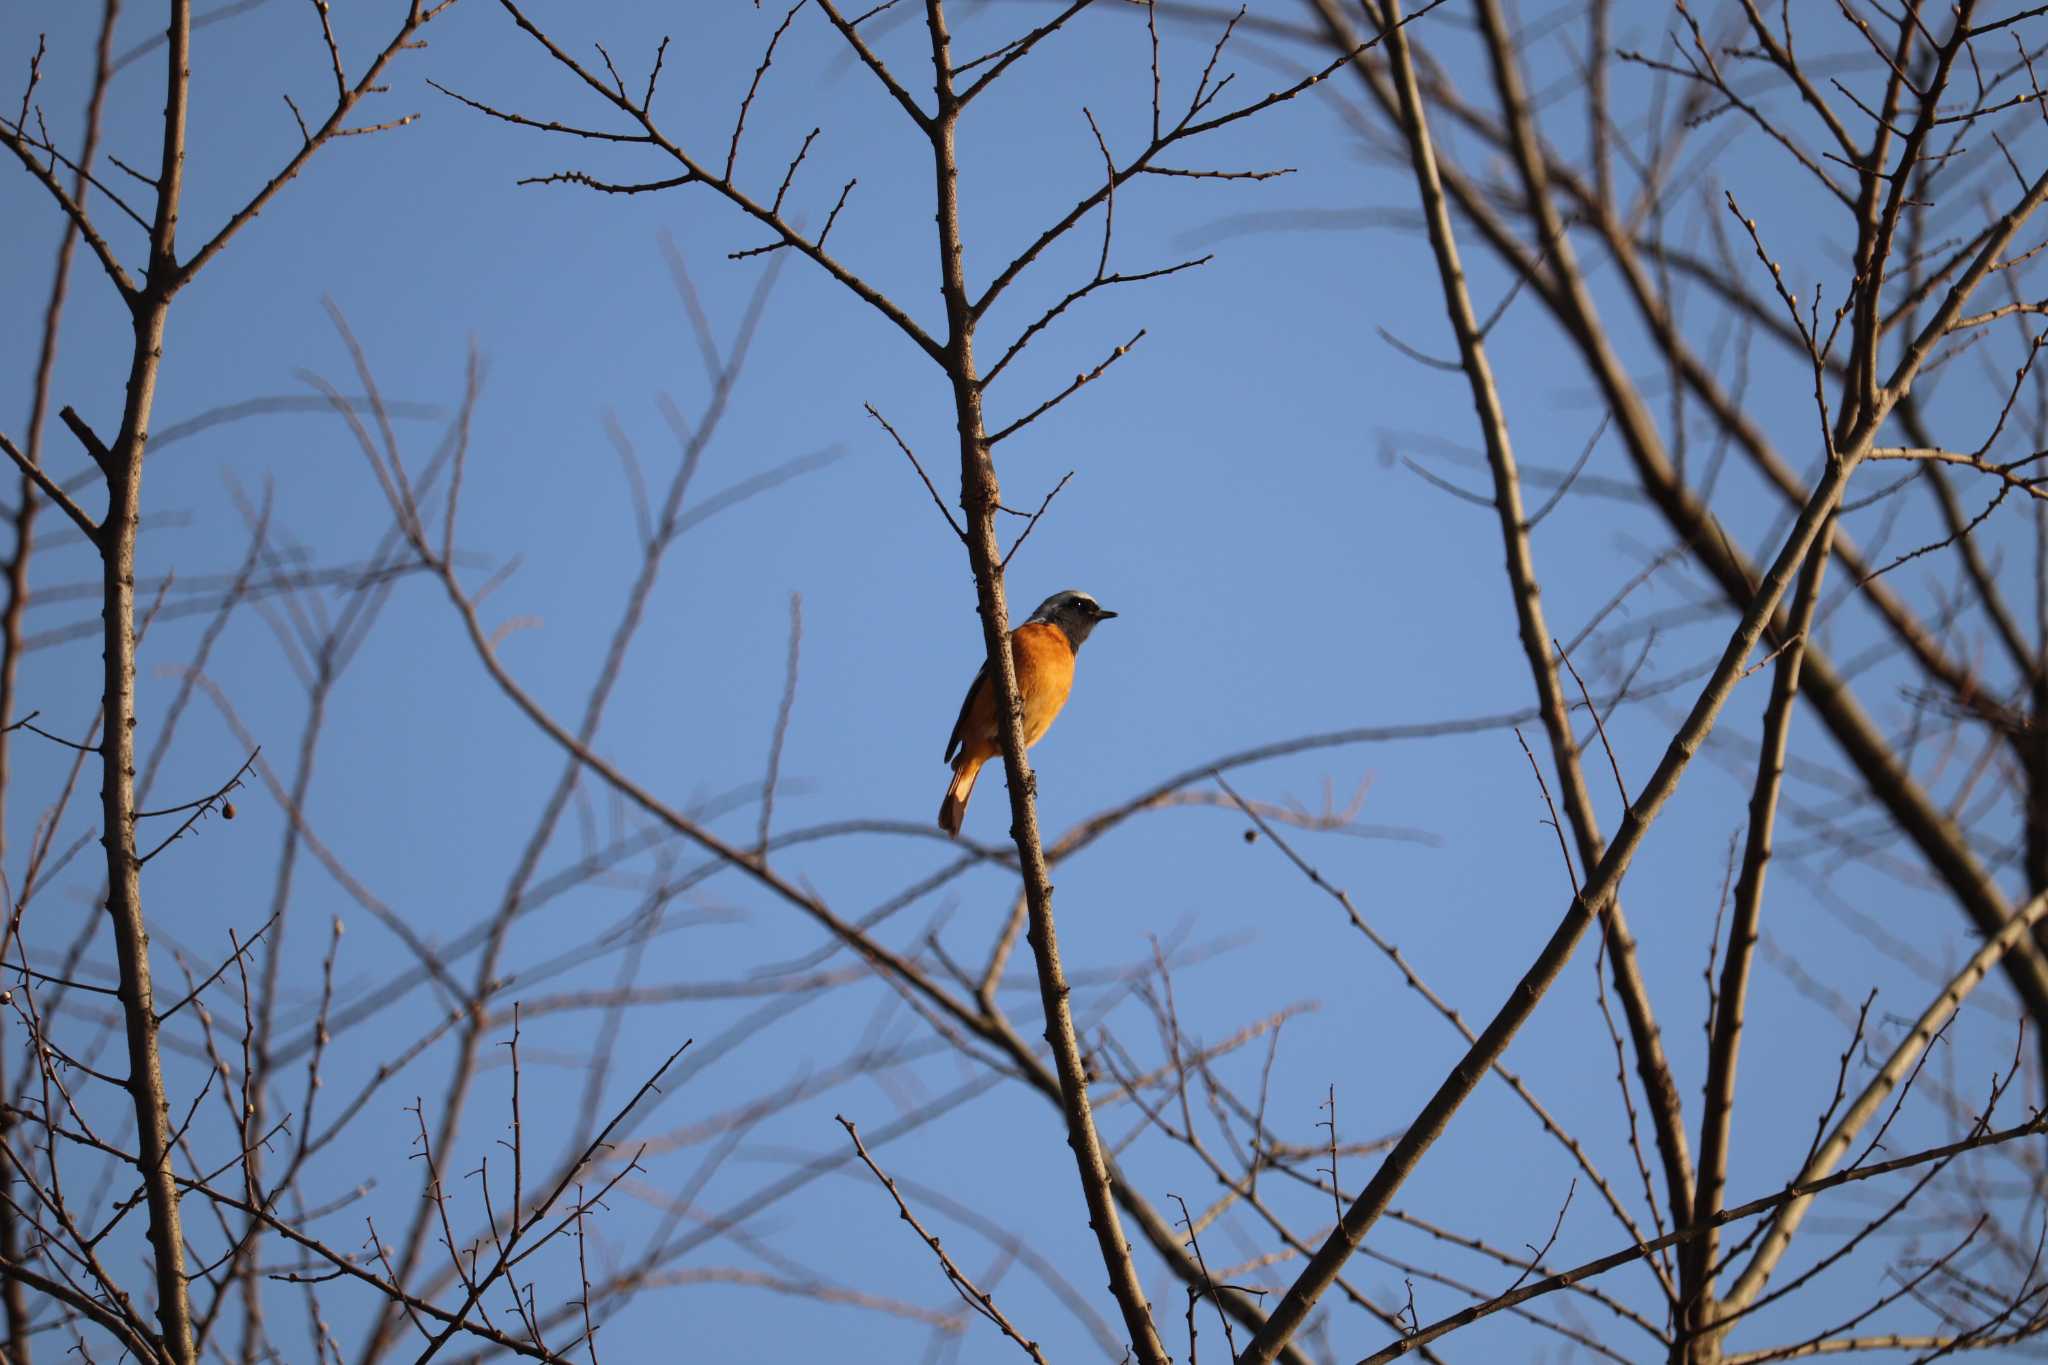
[[214, 1123]]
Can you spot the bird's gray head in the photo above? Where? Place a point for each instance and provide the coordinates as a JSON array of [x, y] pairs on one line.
[[1074, 612]]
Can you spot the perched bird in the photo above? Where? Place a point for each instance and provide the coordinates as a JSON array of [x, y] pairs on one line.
[[1043, 648]]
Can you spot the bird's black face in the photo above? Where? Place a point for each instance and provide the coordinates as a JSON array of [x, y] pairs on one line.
[[1074, 612]]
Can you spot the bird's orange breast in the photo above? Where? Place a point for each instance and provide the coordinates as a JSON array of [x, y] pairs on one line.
[[1045, 674]]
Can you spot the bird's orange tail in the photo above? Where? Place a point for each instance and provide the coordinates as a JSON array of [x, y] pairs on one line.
[[954, 808]]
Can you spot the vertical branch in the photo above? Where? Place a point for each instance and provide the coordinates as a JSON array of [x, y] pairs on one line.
[[151, 308], [1697, 1257], [980, 495]]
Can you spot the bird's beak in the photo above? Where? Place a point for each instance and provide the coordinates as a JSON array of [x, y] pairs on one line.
[[1102, 615]]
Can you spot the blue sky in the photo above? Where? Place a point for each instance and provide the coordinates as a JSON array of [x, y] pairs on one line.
[[1234, 497]]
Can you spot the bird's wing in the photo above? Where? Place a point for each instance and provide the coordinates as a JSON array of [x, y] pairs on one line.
[[957, 738]]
